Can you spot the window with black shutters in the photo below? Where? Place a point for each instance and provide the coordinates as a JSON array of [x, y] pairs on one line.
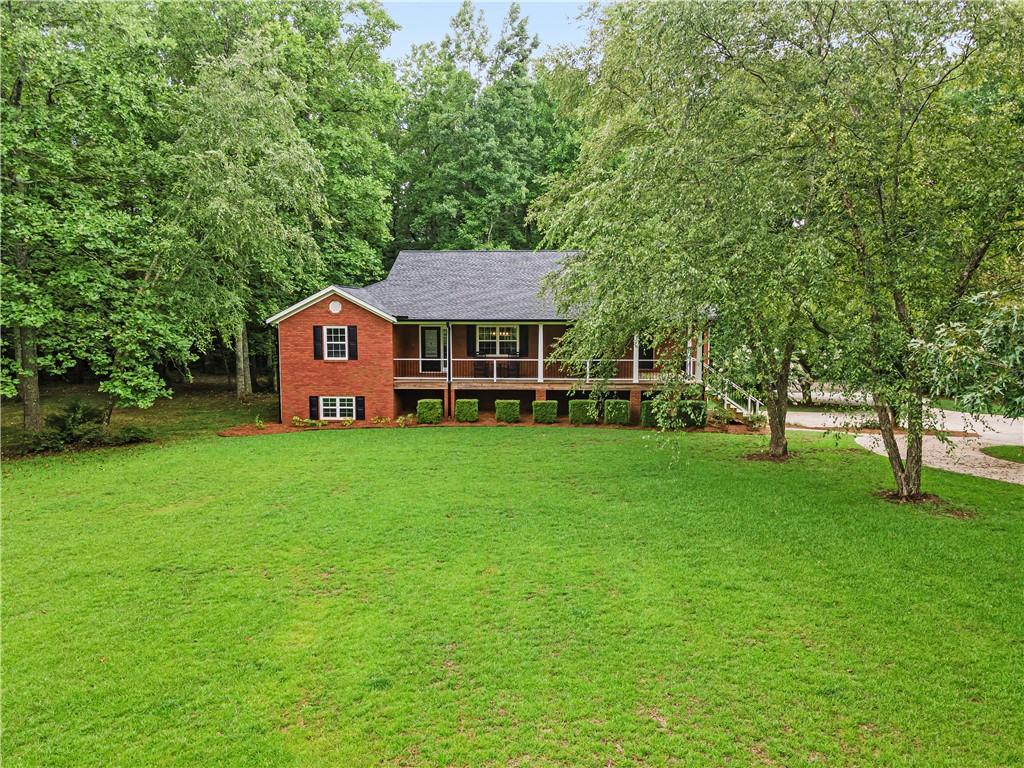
[[335, 342]]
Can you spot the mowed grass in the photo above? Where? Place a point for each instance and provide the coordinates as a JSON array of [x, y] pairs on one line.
[[1005, 452], [505, 596]]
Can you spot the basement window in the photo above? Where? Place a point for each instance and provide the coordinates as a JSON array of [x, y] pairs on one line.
[[337, 408]]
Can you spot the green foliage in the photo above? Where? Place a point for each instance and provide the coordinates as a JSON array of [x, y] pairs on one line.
[[478, 133], [298, 421], [755, 421], [467, 409], [78, 423], [582, 412], [81, 425], [545, 411], [259, 423], [506, 411], [647, 416], [670, 413], [835, 188], [717, 413], [165, 176], [429, 411], [616, 411], [980, 356]]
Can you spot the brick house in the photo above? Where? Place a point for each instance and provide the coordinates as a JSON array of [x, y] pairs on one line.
[[443, 324]]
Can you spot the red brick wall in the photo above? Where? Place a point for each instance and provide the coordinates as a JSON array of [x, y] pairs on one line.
[[370, 376]]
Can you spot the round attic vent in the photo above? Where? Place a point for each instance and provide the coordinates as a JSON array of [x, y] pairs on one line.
[[335, 307]]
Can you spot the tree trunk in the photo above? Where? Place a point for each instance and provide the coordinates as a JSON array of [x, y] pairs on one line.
[[806, 380], [806, 391], [243, 387], [906, 471], [272, 365], [778, 405], [248, 362], [108, 412], [28, 382]]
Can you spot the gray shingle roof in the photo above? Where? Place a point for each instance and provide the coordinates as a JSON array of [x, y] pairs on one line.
[[466, 285]]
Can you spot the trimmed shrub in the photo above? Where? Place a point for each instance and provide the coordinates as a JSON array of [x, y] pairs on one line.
[[677, 414], [647, 414], [545, 411], [506, 410], [428, 411], [467, 410], [77, 424], [616, 412], [582, 412]]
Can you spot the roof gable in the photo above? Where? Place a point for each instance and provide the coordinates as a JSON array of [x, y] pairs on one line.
[[331, 290]]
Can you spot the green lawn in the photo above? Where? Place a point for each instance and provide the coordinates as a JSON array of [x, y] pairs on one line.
[[1006, 452], [504, 596]]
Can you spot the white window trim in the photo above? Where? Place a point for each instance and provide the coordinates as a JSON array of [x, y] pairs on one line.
[[497, 341], [339, 398], [344, 330]]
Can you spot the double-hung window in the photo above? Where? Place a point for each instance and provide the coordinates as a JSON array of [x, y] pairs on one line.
[[336, 343], [497, 340], [337, 408]]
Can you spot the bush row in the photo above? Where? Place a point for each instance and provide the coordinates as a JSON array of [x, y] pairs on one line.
[[670, 414]]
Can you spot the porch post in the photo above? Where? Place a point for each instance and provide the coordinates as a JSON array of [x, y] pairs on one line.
[[634, 406], [540, 352], [700, 360], [636, 359], [448, 348]]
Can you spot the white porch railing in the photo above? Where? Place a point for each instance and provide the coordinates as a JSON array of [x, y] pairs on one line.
[[521, 369]]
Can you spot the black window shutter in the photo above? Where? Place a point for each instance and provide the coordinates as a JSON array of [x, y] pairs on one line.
[[471, 341], [318, 342], [314, 407], [353, 345], [360, 409], [524, 341]]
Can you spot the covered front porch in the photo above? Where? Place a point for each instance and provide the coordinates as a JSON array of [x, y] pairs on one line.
[[501, 355]]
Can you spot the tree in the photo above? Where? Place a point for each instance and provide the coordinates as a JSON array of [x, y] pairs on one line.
[[248, 190], [332, 49], [851, 168], [692, 202], [477, 134], [922, 124], [82, 183]]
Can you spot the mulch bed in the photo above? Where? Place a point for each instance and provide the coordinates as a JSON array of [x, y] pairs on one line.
[[930, 503], [485, 420], [765, 456]]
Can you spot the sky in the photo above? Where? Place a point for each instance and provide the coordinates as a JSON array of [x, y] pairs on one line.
[[554, 22]]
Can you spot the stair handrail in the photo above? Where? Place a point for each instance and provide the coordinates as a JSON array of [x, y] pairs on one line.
[[754, 405]]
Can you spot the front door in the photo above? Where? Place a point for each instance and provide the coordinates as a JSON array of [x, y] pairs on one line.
[[432, 349]]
